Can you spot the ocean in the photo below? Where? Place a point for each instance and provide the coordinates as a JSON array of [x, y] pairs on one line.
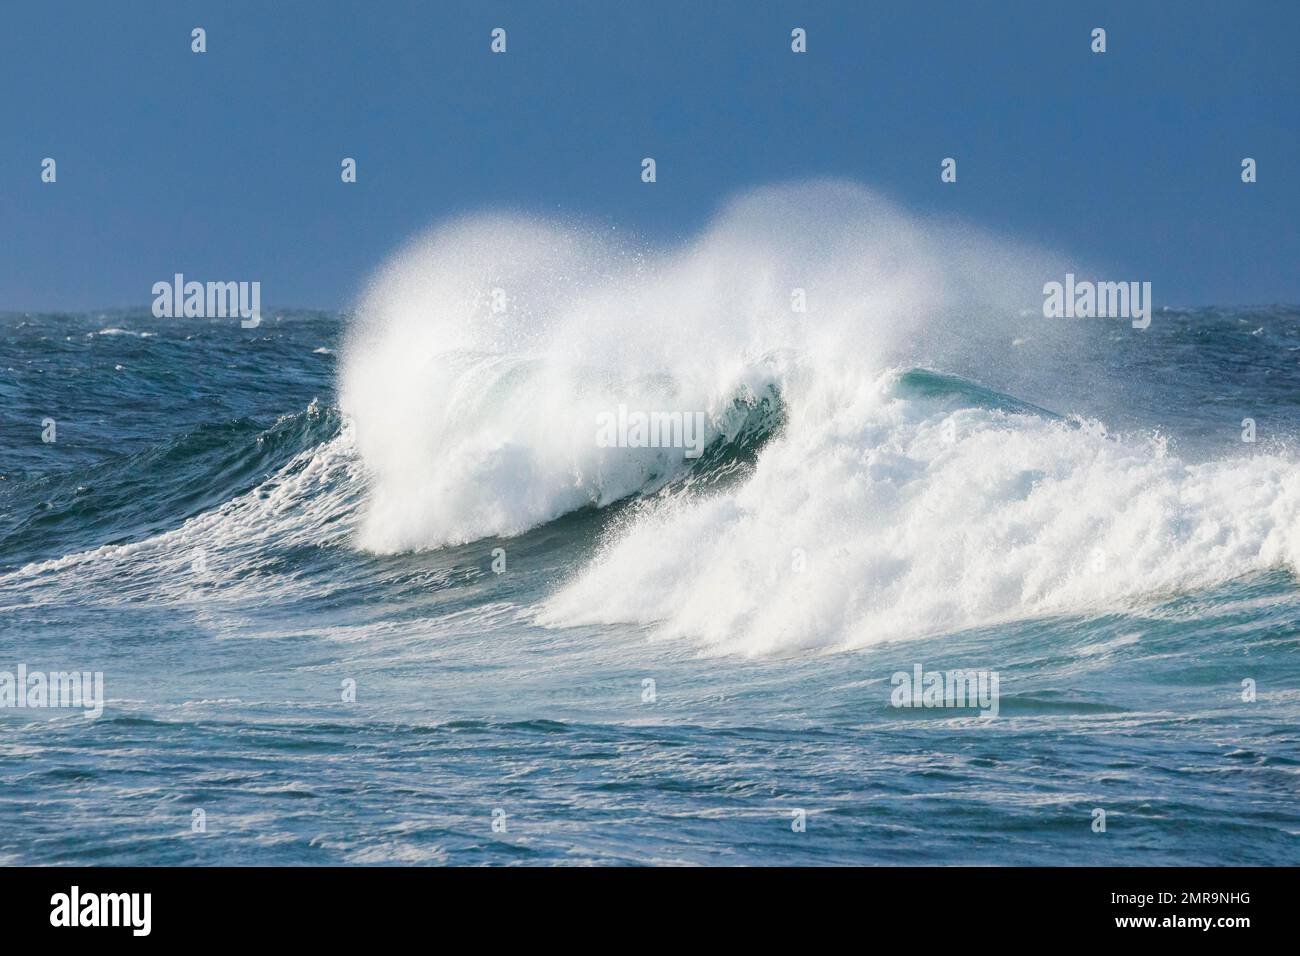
[[363, 589]]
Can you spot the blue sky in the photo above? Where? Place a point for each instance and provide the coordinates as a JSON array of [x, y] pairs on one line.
[[226, 165]]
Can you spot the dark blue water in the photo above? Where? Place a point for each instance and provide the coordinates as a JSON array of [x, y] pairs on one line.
[[191, 534]]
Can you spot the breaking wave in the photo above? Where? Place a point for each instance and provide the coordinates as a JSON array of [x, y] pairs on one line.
[[907, 445]]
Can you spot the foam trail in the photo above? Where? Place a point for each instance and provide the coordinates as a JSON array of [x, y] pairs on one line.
[[309, 502]]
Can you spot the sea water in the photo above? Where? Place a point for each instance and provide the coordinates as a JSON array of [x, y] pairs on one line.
[[366, 588]]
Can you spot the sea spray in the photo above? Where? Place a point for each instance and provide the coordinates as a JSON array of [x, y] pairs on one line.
[[474, 417], [917, 511]]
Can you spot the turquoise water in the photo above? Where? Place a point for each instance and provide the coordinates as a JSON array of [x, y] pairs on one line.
[[192, 533]]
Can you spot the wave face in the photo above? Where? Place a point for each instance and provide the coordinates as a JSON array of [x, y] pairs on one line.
[[924, 501]]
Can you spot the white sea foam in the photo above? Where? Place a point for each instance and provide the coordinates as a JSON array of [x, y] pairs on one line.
[[904, 530], [913, 514]]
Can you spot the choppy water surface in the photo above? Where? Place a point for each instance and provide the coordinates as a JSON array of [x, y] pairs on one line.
[[232, 527]]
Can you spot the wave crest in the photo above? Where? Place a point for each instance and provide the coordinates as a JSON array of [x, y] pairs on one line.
[[871, 503], [482, 354]]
